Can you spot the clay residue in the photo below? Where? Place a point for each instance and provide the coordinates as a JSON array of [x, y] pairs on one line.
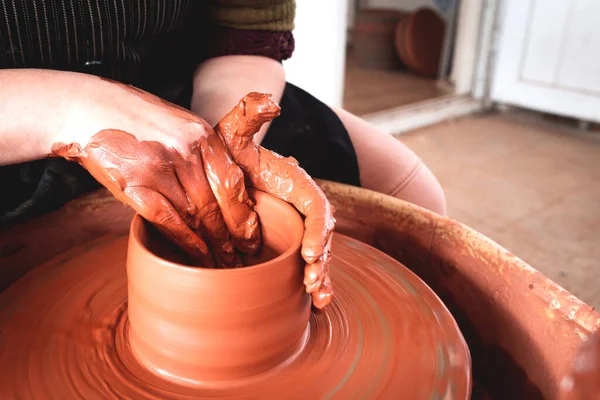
[[583, 380], [172, 253], [385, 335], [191, 185], [482, 284], [283, 178], [172, 191]]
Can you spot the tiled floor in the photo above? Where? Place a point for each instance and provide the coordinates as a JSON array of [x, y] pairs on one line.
[[531, 185], [371, 90]]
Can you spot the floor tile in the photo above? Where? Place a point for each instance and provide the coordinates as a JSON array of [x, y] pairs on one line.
[[370, 90]]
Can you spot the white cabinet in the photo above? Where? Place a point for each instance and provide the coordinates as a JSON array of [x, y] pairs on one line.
[[549, 57]]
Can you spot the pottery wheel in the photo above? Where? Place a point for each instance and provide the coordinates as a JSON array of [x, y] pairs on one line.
[[385, 335]]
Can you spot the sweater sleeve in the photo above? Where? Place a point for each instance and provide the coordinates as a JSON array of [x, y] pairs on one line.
[[250, 27]]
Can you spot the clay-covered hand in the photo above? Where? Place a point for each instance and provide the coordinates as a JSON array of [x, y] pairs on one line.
[[169, 165], [283, 177]]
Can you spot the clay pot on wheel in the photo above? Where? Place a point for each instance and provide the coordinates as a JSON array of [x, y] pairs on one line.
[[204, 326]]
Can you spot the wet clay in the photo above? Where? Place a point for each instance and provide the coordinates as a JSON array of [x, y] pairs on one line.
[[199, 326], [462, 266], [384, 335], [191, 186], [157, 245], [283, 178], [172, 188]]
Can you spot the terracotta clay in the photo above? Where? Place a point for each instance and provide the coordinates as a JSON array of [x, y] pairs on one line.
[[514, 318], [209, 326], [499, 301], [170, 179], [283, 178], [65, 329], [419, 39], [193, 188], [583, 382]]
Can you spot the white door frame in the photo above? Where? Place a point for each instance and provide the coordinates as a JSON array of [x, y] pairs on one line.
[[471, 74], [552, 91]]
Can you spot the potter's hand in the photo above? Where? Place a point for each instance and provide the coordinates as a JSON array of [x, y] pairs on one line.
[[282, 177], [169, 165]]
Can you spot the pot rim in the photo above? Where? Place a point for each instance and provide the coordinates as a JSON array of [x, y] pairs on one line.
[[137, 225]]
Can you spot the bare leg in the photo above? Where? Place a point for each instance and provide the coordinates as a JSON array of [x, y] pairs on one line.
[[387, 166]]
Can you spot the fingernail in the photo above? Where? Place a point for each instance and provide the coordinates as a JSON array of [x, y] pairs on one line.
[[310, 256], [322, 298], [311, 276]]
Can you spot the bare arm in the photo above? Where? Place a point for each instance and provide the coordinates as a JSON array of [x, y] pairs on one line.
[[150, 154], [225, 80], [33, 109]]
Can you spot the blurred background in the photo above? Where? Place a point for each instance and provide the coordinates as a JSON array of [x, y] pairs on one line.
[[500, 98]]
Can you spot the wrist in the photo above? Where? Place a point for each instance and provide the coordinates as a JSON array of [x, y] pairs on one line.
[[33, 109], [95, 104], [220, 83], [80, 119]]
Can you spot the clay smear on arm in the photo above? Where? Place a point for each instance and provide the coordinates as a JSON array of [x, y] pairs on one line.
[[166, 188], [170, 166]]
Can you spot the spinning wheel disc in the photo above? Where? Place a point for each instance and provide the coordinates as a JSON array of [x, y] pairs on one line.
[[64, 327]]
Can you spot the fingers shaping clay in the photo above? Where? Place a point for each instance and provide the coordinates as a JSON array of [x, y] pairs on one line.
[[130, 317], [103, 322], [284, 178], [190, 183], [171, 167]]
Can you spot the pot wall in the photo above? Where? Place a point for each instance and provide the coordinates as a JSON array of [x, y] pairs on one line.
[[209, 325]]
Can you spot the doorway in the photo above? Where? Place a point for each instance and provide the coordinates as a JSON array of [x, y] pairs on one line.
[[399, 53]]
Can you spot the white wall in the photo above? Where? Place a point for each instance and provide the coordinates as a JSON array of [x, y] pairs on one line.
[[351, 11], [318, 62], [467, 45]]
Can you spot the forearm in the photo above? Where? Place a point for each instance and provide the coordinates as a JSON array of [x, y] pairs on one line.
[[220, 83], [33, 109]]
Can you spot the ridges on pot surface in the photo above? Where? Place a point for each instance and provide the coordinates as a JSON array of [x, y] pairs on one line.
[[198, 325]]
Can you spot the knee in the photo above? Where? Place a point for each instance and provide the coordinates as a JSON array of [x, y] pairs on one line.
[[387, 166], [420, 187]]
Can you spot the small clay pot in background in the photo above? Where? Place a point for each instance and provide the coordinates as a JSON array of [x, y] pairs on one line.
[[419, 40], [197, 325], [373, 38]]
